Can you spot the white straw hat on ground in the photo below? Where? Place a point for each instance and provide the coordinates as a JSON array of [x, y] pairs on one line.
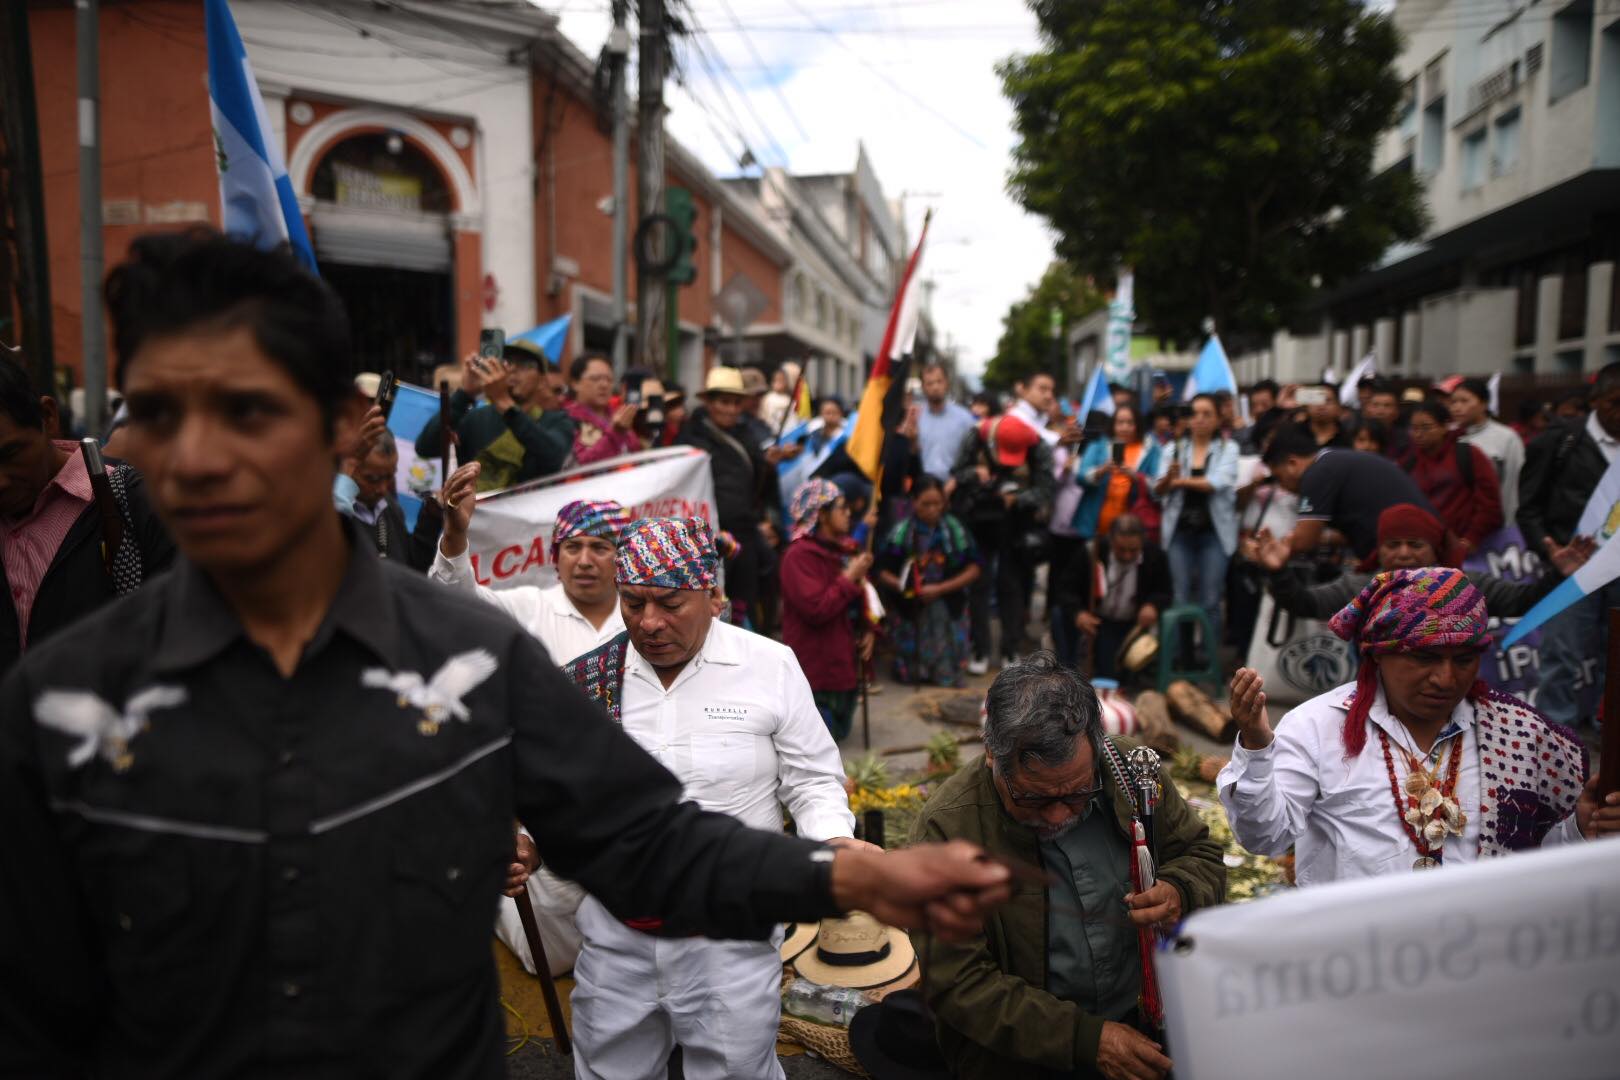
[[856, 951], [800, 936]]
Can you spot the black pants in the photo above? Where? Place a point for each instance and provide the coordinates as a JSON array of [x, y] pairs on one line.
[[1013, 566]]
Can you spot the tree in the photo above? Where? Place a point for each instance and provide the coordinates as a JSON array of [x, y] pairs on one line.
[[1223, 148], [1026, 344]]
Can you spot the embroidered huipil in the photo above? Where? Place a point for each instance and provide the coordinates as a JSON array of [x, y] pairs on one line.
[[546, 613], [1341, 817], [739, 727], [296, 877]]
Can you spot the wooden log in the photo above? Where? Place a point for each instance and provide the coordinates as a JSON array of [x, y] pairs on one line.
[[961, 740], [1153, 717], [1192, 707]]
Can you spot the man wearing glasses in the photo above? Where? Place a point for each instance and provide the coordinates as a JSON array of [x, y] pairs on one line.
[[1051, 987]]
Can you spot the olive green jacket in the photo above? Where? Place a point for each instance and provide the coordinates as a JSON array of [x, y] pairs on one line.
[[996, 1020]]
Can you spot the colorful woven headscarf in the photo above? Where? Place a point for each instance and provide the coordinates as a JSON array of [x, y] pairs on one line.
[[1433, 607], [602, 518], [810, 500], [668, 553]]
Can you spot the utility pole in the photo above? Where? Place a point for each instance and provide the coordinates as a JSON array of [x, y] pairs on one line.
[[25, 200], [650, 338], [618, 60], [92, 256]]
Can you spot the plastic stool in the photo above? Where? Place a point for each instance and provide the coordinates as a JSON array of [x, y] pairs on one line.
[[1170, 623]]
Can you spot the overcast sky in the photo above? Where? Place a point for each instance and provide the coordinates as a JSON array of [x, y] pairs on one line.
[[801, 82]]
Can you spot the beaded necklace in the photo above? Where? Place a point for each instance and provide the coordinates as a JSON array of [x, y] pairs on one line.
[[1428, 811]]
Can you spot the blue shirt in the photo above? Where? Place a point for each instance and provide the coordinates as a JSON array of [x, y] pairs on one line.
[[940, 437]]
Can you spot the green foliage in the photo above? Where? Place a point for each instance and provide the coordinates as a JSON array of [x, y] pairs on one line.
[[1223, 148], [944, 753], [869, 772], [1026, 344]]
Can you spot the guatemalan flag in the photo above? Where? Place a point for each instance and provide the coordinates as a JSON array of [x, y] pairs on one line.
[[254, 190], [1098, 397], [1600, 521], [1212, 373]]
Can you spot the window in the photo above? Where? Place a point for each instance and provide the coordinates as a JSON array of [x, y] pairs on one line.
[[821, 310], [1505, 143], [1432, 147], [1408, 112], [1570, 67], [1473, 160]]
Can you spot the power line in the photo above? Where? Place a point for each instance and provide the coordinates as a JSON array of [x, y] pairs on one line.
[[775, 89]]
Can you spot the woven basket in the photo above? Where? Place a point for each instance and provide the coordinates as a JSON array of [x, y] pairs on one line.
[[831, 1043]]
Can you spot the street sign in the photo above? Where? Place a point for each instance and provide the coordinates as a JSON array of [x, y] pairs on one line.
[[740, 302]]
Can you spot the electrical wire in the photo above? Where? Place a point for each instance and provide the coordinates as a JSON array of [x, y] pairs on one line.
[[775, 89]]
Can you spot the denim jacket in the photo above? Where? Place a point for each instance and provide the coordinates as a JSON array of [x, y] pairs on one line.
[[1221, 472]]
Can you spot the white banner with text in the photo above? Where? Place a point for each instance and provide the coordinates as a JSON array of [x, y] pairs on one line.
[[510, 536], [1505, 968]]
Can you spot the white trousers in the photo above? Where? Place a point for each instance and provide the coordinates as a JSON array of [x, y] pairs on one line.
[[636, 997], [555, 901]]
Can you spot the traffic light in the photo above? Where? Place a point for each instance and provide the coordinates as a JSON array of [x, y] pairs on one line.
[[683, 214]]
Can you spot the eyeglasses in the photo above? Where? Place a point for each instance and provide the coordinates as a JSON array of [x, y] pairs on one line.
[[1074, 800]]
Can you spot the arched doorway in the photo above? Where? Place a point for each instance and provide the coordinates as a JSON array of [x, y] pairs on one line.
[[382, 232]]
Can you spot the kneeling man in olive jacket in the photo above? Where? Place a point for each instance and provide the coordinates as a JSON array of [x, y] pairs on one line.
[[1050, 990]]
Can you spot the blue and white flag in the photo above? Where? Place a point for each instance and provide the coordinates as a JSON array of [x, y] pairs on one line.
[[1601, 518], [549, 337], [1098, 398], [1599, 570], [1121, 313], [1212, 373], [255, 194]]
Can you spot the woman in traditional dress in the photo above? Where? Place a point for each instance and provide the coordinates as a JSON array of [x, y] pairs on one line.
[[928, 561]]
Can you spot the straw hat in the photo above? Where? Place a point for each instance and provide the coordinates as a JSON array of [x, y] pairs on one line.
[[723, 380], [754, 380], [1139, 649], [800, 935], [856, 951]]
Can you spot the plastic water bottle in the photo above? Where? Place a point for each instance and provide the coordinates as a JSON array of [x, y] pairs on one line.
[[834, 1005]]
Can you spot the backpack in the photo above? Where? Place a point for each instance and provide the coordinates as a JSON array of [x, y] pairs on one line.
[[126, 569]]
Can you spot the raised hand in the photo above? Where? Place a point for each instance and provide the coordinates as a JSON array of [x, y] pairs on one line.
[[458, 498], [472, 375], [1572, 556], [1271, 552], [1249, 709]]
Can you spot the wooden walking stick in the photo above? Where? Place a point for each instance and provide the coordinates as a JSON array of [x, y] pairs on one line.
[[542, 968]]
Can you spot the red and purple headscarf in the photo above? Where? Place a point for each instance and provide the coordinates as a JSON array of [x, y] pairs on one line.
[[601, 518], [668, 553], [1433, 607]]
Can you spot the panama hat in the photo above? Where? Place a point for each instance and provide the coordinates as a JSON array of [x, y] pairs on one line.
[[1139, 649], [857, 951], [754, 380], [724, 380], [894, 1039], [800, 936]]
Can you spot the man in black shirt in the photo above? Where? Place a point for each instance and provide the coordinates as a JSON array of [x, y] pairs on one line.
[[258, 815], [1345, 489]]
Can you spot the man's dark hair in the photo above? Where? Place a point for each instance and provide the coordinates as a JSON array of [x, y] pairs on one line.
[[1214, 402], [835, 399], [932, 365], [1266, 386], [988, 400], [1478, 388], [19, 401], [924, 484], [1576, 399], [385, 446], [1221, 397], [576, 370], [1290, 440], [1036, 712], [1435, 410], [200, 280], [1380, 385], [1029, 377], [1119, 388], [1126, 525], [1607, 381]]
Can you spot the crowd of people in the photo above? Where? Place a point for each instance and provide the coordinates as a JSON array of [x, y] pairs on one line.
[[266, 755]]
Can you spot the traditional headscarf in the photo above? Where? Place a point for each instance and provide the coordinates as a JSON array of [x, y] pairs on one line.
[[668, 553], [1433, 607], [808, 502], [602, 518]]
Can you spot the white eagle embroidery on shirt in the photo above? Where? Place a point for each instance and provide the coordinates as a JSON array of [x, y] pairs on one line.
[[440, 697], [98, 725]]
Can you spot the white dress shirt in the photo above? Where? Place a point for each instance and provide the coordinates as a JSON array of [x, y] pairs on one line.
[[1340, 817], [546, 613], [1600, 435], [739, 728]]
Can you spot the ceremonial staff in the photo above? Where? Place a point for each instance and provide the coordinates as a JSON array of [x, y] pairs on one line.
[[1609, 747], [542, 968], [112, 522]]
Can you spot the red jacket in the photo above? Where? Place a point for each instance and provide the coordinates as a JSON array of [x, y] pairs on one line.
[[816, 598], [1472, 511]]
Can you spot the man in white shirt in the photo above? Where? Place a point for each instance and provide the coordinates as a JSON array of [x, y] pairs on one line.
[[1415, 765], [569, 618], [579, 612], [731, 714], [1470, 408]]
